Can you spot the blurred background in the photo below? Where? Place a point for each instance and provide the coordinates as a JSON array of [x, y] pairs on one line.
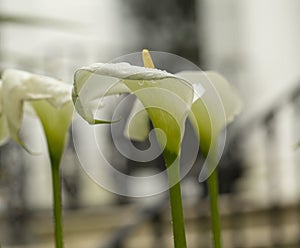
[[254, 44]]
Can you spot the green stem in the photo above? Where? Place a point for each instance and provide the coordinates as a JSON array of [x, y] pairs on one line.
[[57, 206], [176, 201], [177, 216], [215, 217]]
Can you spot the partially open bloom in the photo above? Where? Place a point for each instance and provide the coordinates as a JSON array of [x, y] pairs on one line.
[[165, 97], [49, 98], [211, 112]]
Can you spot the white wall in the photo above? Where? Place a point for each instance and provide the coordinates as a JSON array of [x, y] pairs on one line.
[[93, 30]]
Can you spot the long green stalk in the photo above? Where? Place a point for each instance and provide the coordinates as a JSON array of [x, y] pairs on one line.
[[214, 209], [57, 206], [176, 201]]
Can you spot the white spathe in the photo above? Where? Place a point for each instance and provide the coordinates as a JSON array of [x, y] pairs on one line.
[[19, 87], [167, 98]]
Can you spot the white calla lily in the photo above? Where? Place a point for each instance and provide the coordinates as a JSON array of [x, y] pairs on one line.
[[51, 100], [216, 108], [52, 103], [166, 98], [211, 113]]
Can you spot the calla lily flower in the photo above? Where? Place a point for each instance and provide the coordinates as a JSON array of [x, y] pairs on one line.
[[50, 99], [211, 113], [165, 97]]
